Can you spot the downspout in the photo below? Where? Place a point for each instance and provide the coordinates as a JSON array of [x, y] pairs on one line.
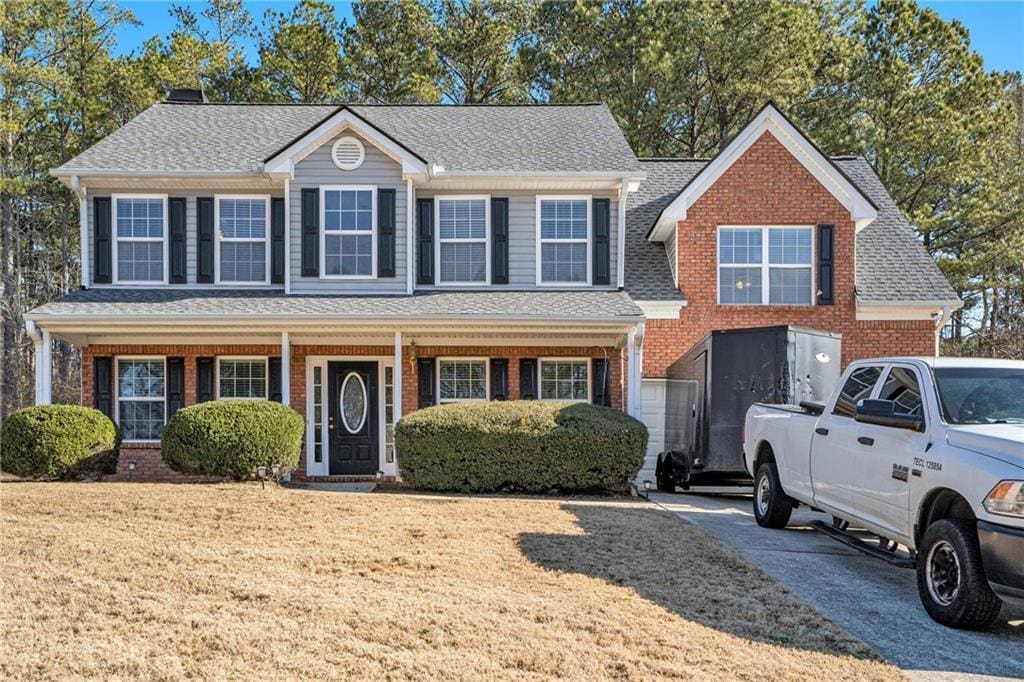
[[620, 264], [944, 317], [83, 228]]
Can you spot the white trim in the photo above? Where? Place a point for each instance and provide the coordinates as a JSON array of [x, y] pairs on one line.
[[487, 379], [372, 231], [635, 371], [117, 391], [397, 395], [661, 310], [539, 241], [360, 147], [42, 348], [249, 358], [438, 198], [218, 237], [772, 121], [114, 198], [765, 265], [410, 237], [897, 311], [83, 230], [287, 236], [620, 259], [590, 374], [286, 373]]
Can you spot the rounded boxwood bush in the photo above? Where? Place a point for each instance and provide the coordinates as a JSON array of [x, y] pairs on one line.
[[232, 438], [58, 441], [524, 445]]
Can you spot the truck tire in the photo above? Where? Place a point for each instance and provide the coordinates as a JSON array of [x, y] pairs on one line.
[[950, 577], [772, 506]]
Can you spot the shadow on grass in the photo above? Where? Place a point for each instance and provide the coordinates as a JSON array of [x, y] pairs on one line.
[[680, 568]]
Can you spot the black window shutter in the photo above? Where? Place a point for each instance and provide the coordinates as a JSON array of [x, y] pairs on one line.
[[205, 236], [602, 241], [310, 232], [175, 399], [528, 379], [499, 241], [425, 241], [601, 382], [204, 380], [274, 379], [425, 382], [499, 379], [103, 243], [103, 384], [176, 208], [385, 232], [826, 264], [277, 237]]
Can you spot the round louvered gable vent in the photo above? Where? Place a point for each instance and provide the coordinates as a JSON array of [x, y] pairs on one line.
[[348, 153]]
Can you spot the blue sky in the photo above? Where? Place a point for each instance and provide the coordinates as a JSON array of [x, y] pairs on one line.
[[996, 26]]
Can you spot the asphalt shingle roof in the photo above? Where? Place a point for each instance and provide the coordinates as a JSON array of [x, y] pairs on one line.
[[237, 138], [169, 303]]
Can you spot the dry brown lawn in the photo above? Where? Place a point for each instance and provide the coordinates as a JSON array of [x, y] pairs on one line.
[[228, 581]]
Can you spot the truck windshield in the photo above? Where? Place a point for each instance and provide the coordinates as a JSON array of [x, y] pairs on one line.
[[981, 395]]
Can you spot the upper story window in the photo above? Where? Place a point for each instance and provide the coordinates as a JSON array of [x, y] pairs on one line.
[[463, 240], [750, 274], [562, 379], [348, 248], [140, 227], [461, 380], [242, 378], [563, 238], [243, 233]]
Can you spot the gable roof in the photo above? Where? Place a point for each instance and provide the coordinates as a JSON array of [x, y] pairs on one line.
[[893, 266], [236, 139]]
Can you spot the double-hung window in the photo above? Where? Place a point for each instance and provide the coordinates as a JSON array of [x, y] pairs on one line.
[[243, 234], [461, 380], [348, 216], [463, 226], [563, 240], [565, 379], [242, 378], [140, 230], [140, 397], [765, 265]]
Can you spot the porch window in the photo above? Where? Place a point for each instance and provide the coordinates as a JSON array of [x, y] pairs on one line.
[[242, 379], [462, 252], [565, 380], [140, 398], [749, 274], [349, 214], [564, 238], [243, 228], [140, 227], [462, 380]]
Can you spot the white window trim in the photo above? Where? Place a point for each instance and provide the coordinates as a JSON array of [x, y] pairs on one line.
[[266, 374], [117, 240], [218, 238], [590, 378], [486, 240], [487, 379], [117, 392], [589, 240], [765, 265], [372, 231]]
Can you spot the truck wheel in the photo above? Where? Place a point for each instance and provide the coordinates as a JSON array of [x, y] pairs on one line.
[[772, 507], [951, 579]]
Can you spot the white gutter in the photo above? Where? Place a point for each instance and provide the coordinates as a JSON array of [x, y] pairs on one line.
[[160, 320], [83, 228], [944, 317], [620, 263]]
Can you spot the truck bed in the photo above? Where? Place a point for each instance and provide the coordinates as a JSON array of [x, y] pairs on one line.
[[805, 407]]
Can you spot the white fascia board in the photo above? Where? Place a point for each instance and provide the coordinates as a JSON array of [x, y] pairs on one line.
[[661, 310], [297, 321], [910, 310], [772, 121]]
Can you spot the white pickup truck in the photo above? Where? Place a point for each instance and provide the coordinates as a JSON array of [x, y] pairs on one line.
[[927, 453]]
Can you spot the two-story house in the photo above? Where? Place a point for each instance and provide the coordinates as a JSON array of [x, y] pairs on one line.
[[358, 262]]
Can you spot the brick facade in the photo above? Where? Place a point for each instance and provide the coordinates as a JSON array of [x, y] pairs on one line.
[[768, 186]]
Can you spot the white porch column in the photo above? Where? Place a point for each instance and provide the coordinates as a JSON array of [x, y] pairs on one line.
[[286, 369], [397, 397], [634, 366], [42, 350]]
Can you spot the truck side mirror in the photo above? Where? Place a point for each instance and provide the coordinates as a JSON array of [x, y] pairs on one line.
[[883, 413]]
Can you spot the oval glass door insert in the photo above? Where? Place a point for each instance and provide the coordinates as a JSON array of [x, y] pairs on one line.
[[353, 402]]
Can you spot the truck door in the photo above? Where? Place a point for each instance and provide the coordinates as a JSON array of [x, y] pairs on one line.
[[886, 456]]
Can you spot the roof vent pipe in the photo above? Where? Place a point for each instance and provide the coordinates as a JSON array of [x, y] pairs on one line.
[[189, 95]]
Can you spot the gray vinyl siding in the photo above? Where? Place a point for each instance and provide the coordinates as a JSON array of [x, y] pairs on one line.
[[190, 230], [522, 238], [377, 169]]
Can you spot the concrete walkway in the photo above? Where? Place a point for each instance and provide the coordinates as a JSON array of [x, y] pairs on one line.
[[871, 600]]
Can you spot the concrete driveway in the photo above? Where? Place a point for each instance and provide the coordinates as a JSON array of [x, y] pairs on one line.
[[870, 599]]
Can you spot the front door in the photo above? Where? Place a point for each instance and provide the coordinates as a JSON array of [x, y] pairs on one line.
[[352, 424]]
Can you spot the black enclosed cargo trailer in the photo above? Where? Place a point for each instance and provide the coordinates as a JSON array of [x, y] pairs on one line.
[[721, 376]]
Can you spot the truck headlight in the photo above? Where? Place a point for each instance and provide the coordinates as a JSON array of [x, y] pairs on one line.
[[1006, 499]]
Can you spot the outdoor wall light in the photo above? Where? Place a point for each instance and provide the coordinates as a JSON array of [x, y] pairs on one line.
[[131, 468]]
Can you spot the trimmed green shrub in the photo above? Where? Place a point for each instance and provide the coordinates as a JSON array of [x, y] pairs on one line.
[[232, 438], [58, 441], [523, 445]]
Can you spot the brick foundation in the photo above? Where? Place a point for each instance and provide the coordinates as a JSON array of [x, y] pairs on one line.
[[150, 468]]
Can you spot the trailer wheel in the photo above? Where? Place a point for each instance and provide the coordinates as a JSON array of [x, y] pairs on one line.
[[772, 506], [950, 577], [663, 474]]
